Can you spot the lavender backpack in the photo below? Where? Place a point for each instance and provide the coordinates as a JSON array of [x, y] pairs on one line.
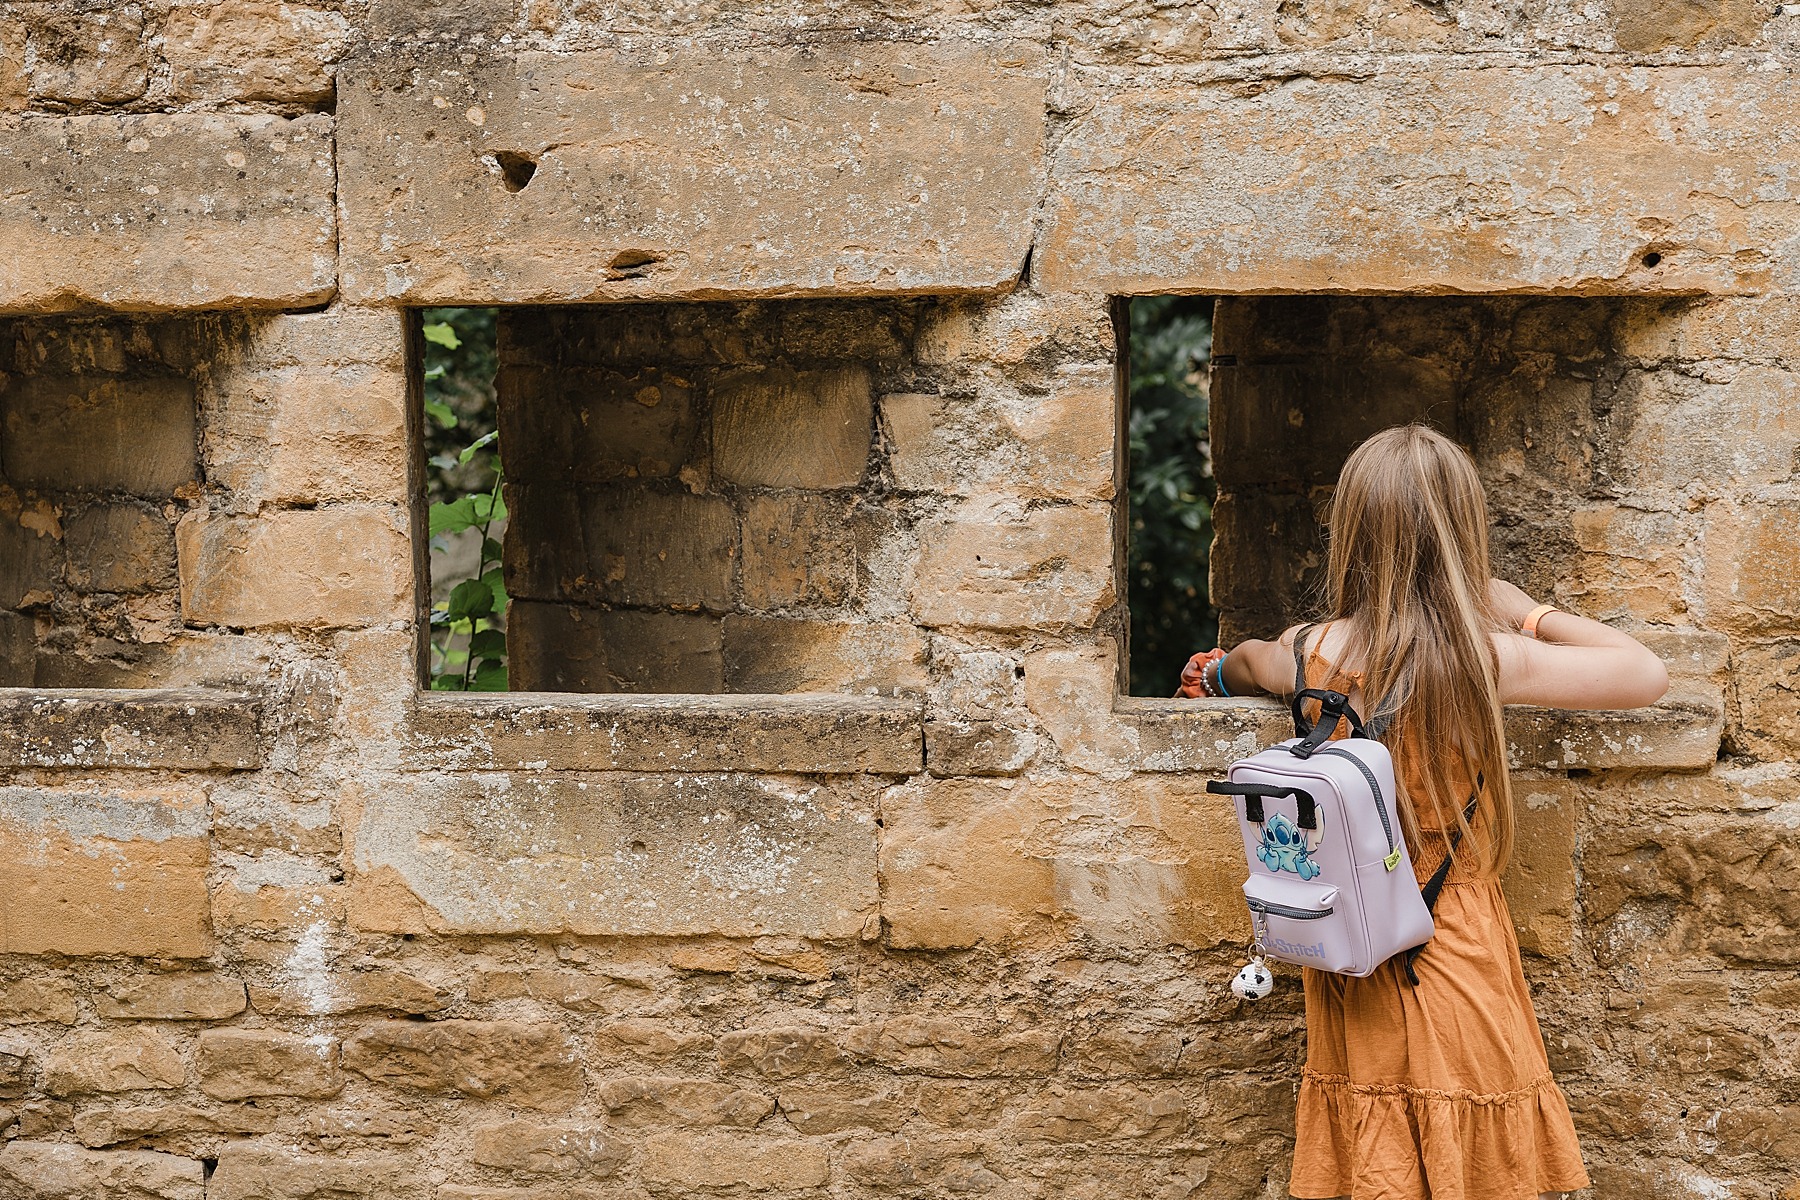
[[1331, 884]]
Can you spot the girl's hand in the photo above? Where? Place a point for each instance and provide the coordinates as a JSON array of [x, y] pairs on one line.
[[1509, 603], [1191, 687]]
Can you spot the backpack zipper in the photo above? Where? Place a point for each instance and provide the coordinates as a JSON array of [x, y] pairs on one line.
[[1282, 910], [1374, 788]]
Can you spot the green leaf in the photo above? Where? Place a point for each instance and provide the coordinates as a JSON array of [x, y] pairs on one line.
[[475, 447], [471, 598], [496, 582], [491, 550], [490, 676], [489, 643], [441, 333], [486, 507], [447, 682], [440, 412], [455, 516]]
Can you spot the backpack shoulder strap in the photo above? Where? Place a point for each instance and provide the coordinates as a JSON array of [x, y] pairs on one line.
[[1300, 636], [1429, 891]]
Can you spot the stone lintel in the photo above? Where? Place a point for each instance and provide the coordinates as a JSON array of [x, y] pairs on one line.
[[814, 734], [1197, 735], [852, 169], [173, 729], [1572, 179], [162, 212]]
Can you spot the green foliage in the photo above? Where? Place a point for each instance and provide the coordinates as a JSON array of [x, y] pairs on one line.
[[463, 482], [1171, 491]]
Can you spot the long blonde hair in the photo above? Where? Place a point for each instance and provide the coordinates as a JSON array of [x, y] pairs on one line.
[[1408, 577]]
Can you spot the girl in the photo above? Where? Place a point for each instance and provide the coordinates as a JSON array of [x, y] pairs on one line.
[[1440, 1091]]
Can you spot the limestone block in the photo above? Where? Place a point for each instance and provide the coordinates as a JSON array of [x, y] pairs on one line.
[[651, 1102], [798, 552], [100, 1127], [248, 1171], [846, 1107], [1687, 433], [57, 1171], [1070, 690], [1634, 565], [977, 748], [990, 568], [99, 433], [1767, 720], [31, 552], [948, 1046], [648, 1038], [603, 855], [254, 192], [569, 648], [244, 1064], [809, 734], [1206, 736], [1695, 887], [531, 1066], [172, 998], [171, 729], [1568, 178], [722, 1161], [85, 56], [104, 872], [119, 548], [648, 548], [253, 50], [15, 85], [333, 567], [782, 1052], [779, 427], [1675, 733], [1052, 446], [1751, 579], [127, 1060], [1661, 24], [310, 434], [1540, 880], [533, 1148], [39, 999], [1147, 862], [351, 991], [1748, 328], [779, 655], [596, 426], [944, 1165], [1119, 1112], [866, 168]]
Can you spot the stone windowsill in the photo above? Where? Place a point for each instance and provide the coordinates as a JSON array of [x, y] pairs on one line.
[[186, 729], [1206, 735], [814, 733]]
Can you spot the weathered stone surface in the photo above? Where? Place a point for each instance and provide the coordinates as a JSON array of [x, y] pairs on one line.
[[328, 567], [88, 54], [780, 428], [652, 1039], [570, 648], [843, 1107], [533, 1148], [172, 730], [532, 1066], [798, 551], [101, 1127], [123, 1061], [349, 991], [824, 735], [56, 1171], [254, 191], [1216, 190], [949, 1047], [248, 1171], [119, 548], [654, 1102], [1540, 880], [992, 568], [311, 434], [114, 872], [977, 748], [1768, 698], [1207, 736], [778, 656], [1123, 1112], [99, 433], [1673, 734], [172, 998], [242, 1064], [616, 854], [722, 1161], [782, 1052], [1148, 862], [40, 999], [254, 50], [528, 145]]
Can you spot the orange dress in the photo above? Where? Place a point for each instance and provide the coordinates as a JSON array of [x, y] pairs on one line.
[[1443, 1091]]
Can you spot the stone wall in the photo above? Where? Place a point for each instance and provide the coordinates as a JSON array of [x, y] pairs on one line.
[[275, 925]]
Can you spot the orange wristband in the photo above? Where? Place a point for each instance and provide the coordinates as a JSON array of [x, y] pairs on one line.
[[1529, 625]]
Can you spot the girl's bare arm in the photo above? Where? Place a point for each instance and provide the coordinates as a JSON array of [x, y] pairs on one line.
[[1573, 662]]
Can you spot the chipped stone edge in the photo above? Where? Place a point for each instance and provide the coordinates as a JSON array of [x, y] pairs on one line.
[[1200, 735], [813, 733], [187, 729]]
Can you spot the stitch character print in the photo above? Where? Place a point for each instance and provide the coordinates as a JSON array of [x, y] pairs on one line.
[[1285, 848]]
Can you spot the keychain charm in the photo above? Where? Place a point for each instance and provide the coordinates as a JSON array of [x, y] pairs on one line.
[[1253, 982]]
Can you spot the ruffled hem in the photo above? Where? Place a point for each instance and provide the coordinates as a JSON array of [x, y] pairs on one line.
[[1394, 1141]]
